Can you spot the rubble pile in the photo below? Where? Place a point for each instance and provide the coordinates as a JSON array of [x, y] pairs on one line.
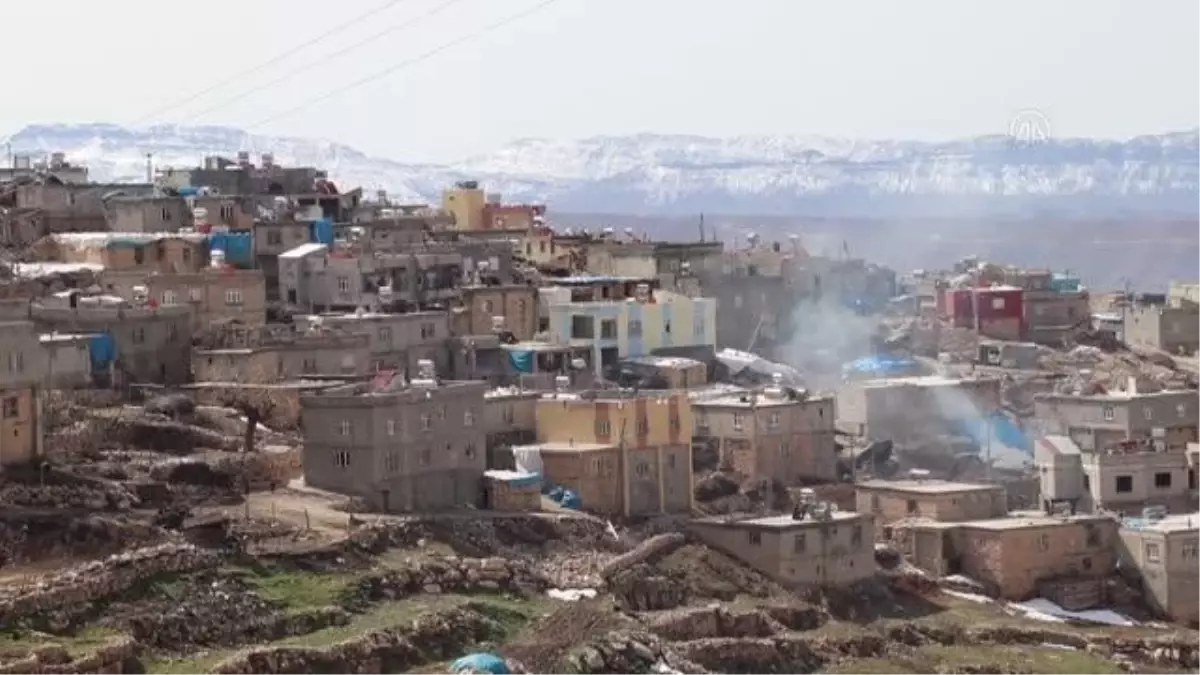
[[628, 652], [99, 579], [448, 575], [113, 657], [431, 637], [642, 588], [703, 622]]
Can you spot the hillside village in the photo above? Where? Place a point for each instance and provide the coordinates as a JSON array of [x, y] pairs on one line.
[[256, 421]]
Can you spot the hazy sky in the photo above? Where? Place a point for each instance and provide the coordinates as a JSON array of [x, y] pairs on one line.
[[925, 69]]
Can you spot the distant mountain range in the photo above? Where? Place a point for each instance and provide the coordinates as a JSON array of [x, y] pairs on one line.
[[669, 175]]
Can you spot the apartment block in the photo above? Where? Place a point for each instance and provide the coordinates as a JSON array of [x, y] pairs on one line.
[[482, 310], [163, 252], [817, 549], [510, 419], [776, 433], [1175, 330], [1160, 553], [275, 353], [214, 295], [623, 454], [414, 446], [938, 500]]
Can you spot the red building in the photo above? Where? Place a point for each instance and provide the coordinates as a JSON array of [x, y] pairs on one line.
[[1001, 313]]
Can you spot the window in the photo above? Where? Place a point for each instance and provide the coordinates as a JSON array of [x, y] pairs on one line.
[[16, 362], [12, 407], [1148, 413], [187, 255], [139, 335], [773, 420], [582, 327], [1087, 563], [506, 414], [642, 469], [671, 461], [344, 428], [227, 212], [343, 284], [997, 303], [441, 413], [912, 506], [603, 427], [233, 296], [1109, 413], [139, 255], [667, 327], [426, 421], [643, 426], [608, 329], [469, 451], [856, 535], [698, 326], [1153, 553], [426, 457], [341, 458], [487, 306], [1044, 542], [469, 418], [391, 427], [428, 330], [274, 238], [1190, 551], [195, 294], [170, 298], [739, 421], [674, 424], [1093, 536], [875, 502], [635, 328], [309, 365], [798, 545], [166, 214], [1162, 479], [755, 538], [172, 332], [1181, 410], [1124, 483], [385, 334]]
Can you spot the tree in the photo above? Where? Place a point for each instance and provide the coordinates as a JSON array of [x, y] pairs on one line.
[[255, 402]]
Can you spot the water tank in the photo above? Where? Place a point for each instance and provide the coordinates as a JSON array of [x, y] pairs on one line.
[[493, 197], [243, 158], [467, 185], [57, 160], [217, 258], [200, 215], [268, 160]]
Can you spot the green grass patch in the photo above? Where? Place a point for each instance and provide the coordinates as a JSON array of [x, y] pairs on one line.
[[995, 658], [81, 643], [295, 589]]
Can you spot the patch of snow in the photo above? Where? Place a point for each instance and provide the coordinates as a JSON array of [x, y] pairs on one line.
[[973, 597], [1039, 607], [571, 594]]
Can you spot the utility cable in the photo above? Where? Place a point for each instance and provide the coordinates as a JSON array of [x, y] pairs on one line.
[[323, 60], [270, 62], [513, 18]]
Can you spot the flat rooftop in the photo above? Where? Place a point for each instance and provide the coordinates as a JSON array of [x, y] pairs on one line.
[[558, 446], [1023, 519], [918, 381], [1182, 522], [763, 400], [778, 522], [930, 487]]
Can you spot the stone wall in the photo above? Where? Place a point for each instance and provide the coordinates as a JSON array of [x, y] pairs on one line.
[[111, 658], [450, 575], [100, 579]]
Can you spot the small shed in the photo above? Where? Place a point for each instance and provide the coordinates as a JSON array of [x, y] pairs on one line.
[[513, 490]]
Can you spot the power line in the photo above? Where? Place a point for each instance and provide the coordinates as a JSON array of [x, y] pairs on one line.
[[272, 61], [513, 18], [323, 60]]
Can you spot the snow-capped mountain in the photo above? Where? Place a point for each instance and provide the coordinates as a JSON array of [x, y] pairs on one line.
[[650, 173]]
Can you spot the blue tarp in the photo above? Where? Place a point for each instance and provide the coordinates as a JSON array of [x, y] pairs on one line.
[[882, 365], [480, 662], [321, 231], [1003, 431], [238, 247], [521, 361], [188, 191], [102, 350], [562, 496]]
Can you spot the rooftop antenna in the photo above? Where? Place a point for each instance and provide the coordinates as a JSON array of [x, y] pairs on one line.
[[149, 167], [701, 228]]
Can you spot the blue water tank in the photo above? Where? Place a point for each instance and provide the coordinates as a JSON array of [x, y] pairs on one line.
[[321, 231], [102, 350], [238, 248]]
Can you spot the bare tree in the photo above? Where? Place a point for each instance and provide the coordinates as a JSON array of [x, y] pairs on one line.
[[256, 402]]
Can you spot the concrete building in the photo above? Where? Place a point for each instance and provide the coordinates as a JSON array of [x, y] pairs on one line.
[[144, 343], [214, 295], [510, 419], [1175, 330], [148, 213], [633, 325], [68, 360], [275, 353], [833, 549], [890, 501], [54, 165], [22, 373], [1100, 421], [43, 207], [915, 407], [994, 311], [1161, 555], [416, 446], [483, 310], [777, 433], [396, 341], [1063, 558], [473, 209], [662, 372], [1125, 478], [163, 252], [1181, 294], [623, 454]]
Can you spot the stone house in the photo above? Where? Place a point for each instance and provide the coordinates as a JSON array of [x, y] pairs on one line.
[[275, 353], [510, 419], [834, 549], [48, 207], [915, 407], [402, 447], [1100, 421], [1063, 558], [1122, 478], [395, 341], [147, 213], [1160, 554], [214, 295], [623, 454], [483, 310], [773, 434], [1175, 330], [68, 361], [890, 501], [163, 252]]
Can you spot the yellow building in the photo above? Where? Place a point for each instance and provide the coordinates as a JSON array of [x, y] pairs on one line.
[[465, 202], [623, 454]]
